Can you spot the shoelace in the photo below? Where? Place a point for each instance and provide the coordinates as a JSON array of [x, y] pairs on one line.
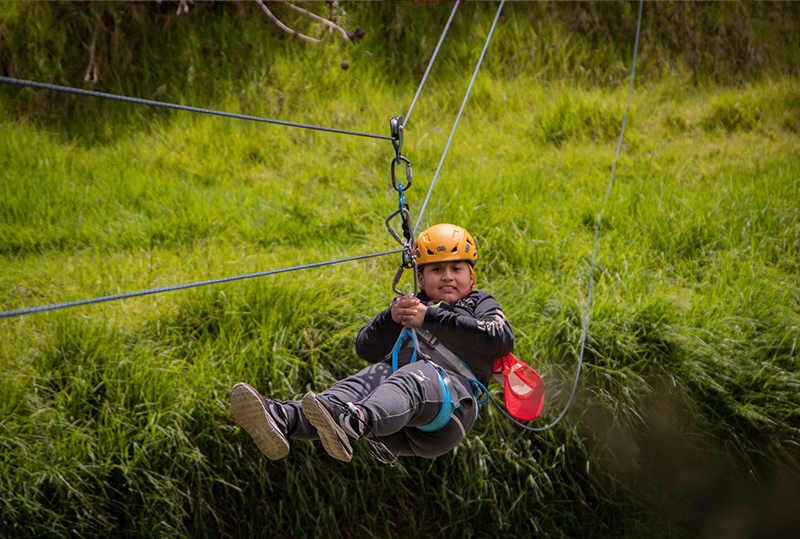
[[377, 448], [279, 415]]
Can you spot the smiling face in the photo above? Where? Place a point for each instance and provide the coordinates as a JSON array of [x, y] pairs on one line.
[[446, 281]]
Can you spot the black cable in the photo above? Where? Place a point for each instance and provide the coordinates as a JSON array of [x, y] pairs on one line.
[[594, 255], [77, 303], [138, 101]]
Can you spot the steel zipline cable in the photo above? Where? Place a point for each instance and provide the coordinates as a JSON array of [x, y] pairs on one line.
[[138, 101], [127, 295], [430, 64], [594, 254], [19, 312], [52, 307], [463, 104]]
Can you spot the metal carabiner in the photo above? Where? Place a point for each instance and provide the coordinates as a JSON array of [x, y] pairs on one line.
[[408, 173], [409, 262], [396, 280], [406, 230]]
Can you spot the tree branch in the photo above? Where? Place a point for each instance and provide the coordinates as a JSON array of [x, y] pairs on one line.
[[326, 22], [331, 26], [93, 71]]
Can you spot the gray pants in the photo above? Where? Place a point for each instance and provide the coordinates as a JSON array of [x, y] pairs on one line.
[[396, 403]]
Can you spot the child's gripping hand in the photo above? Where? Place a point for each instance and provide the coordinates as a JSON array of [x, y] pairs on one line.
[[408, 310]]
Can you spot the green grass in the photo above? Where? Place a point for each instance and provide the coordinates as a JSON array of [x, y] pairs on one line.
[[115, 419]]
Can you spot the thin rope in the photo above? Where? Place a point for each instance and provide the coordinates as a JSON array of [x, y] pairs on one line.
[[138, 101], [55, 306], [430, 64], [594, 250], [463, 104]]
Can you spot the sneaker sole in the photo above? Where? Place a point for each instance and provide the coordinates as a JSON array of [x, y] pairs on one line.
[[329, 432], [251, 413]]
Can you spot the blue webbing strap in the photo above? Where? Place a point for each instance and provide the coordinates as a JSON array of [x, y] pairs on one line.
[[449, 403], [476, 385], [398, 345]]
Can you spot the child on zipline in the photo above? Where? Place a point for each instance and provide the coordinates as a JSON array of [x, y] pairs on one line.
[[412, 399]]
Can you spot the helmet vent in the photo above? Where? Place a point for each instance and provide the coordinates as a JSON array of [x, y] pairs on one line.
[[445, 242]]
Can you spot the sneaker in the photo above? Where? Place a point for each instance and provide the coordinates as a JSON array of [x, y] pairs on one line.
[[263, 419], [338, 424]]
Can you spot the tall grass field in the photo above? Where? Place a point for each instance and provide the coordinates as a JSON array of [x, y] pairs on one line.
[[115, 418]]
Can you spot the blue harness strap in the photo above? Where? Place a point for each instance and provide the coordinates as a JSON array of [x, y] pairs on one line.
[[398, 345], [449, 400]]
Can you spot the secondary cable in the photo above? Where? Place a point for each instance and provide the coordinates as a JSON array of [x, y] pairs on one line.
[[55, 306], [139, 101], [430, 64], [594, 253], [463, 104]]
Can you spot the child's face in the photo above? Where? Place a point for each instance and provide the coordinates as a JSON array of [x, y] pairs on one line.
[[446, 281]]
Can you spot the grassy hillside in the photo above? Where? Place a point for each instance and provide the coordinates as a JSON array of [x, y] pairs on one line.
[[115, 418]]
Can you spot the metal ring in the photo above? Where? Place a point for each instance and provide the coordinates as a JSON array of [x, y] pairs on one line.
[[408, 172]]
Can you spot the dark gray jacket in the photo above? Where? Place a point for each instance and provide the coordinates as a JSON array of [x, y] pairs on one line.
[[474, 328]]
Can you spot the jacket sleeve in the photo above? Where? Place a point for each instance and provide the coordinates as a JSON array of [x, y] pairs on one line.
[[376, 339], [487, 334]]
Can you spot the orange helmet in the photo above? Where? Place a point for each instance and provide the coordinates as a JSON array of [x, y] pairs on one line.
[[445, 243]]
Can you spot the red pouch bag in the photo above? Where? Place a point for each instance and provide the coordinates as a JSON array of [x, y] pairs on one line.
[[523, 389]]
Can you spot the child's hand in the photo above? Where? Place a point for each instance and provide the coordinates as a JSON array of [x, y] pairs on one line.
[[408, 310]]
